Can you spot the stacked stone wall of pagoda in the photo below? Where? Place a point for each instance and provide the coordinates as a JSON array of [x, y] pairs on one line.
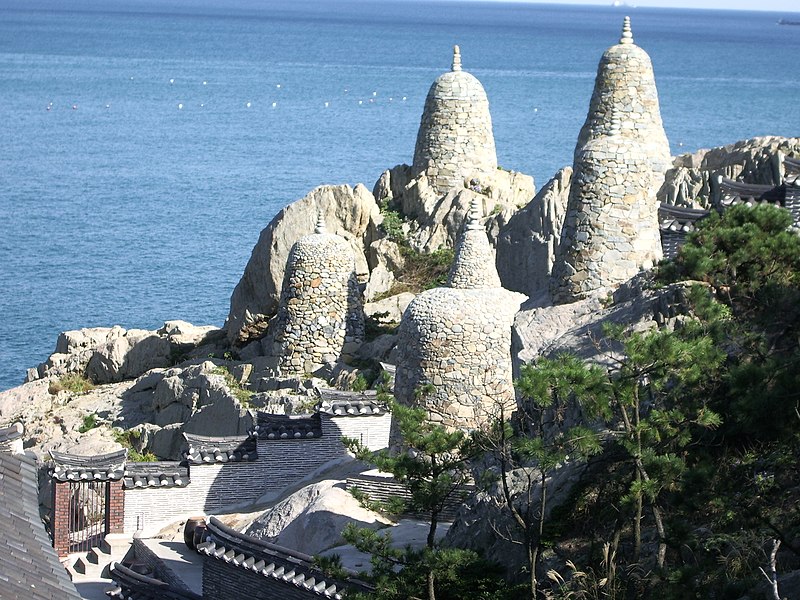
[[455, 139], [320, 317]]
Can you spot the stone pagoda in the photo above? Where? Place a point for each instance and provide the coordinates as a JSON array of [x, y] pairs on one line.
[[320, 317], [610, 230], [625, 85], [455, 142], [458, 339]]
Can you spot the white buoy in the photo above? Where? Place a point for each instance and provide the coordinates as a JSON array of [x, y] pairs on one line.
[[390, 98], [326, 105], [361, 102], [74, 107], [274, 104], [172, 81], [374, 94], [535, 110], [248, 105], [108, 106], [205, 83], [180, 105], [202, 105], [278, 86], [404, 98]]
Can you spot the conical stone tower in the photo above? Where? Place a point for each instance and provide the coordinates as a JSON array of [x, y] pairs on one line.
[[474, 261], [455, 142], [625, 84], [320, 316], [610, 231], [454, 343]]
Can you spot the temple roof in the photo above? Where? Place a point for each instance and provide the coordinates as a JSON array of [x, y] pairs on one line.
[[102, 467], [29, 566], [155, 474], [339, 403], [271, 561], [678, 218], [207, 449], [132, 585], [282, 427], [10, 436]]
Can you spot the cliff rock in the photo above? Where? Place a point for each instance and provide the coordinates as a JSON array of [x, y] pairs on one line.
[[348, 212]]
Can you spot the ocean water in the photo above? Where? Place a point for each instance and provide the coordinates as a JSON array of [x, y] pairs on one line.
[[144, 145]]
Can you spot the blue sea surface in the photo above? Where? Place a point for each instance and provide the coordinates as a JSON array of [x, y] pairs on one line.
[[144, 145]]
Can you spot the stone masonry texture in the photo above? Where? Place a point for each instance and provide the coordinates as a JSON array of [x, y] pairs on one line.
[[455, 141], [320, 317], [610, 231]]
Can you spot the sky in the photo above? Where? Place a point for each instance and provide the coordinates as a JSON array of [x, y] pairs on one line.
[[787, 6]]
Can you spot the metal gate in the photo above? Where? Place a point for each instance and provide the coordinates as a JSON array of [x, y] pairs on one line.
[[88, 514]]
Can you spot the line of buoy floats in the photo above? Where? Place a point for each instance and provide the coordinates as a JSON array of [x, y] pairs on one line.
[[249, 104]]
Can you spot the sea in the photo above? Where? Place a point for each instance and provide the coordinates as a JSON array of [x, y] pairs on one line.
[[145, 144]]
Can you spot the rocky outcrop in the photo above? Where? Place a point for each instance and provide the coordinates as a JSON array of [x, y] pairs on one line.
[[112, 354], [312, 519], [433, 220], [692, 179], [527, 244], [485, 524], [351, 213]]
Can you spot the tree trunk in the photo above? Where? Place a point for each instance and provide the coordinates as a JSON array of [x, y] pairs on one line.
[[431, 579]]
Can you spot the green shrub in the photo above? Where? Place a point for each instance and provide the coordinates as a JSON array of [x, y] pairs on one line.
[[89, 422], [72, 382]]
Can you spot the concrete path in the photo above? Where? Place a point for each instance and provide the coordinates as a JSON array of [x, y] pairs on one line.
[[184, 563]]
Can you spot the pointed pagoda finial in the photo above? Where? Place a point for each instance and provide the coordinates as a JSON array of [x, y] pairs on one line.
[[320, 226], [456, 58], [627, 35], [474, 215]]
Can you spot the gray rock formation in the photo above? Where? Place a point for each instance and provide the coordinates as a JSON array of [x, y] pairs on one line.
[[320, 317], [312, 519], [455, 142], [111, 354], [691, 180], [527, 244], [349, 212]]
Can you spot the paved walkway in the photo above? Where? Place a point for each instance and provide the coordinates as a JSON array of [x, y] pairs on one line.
[[184, 563]]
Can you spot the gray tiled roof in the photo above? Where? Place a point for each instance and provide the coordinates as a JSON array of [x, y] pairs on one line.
[[339, 403], [29, 566], [155, 474], [129, 585], [272, 561], [283, 427], [10, 434], [675, 223], [209, 450], [102, 467]]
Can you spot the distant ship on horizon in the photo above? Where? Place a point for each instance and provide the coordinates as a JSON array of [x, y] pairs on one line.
[[787, 22]]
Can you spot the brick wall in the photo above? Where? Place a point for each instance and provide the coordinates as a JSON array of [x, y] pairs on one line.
[[115, 508], [60, 519]]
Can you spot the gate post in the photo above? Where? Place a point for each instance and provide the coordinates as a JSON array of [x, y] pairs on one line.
[[115, 507], [60, 521]]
